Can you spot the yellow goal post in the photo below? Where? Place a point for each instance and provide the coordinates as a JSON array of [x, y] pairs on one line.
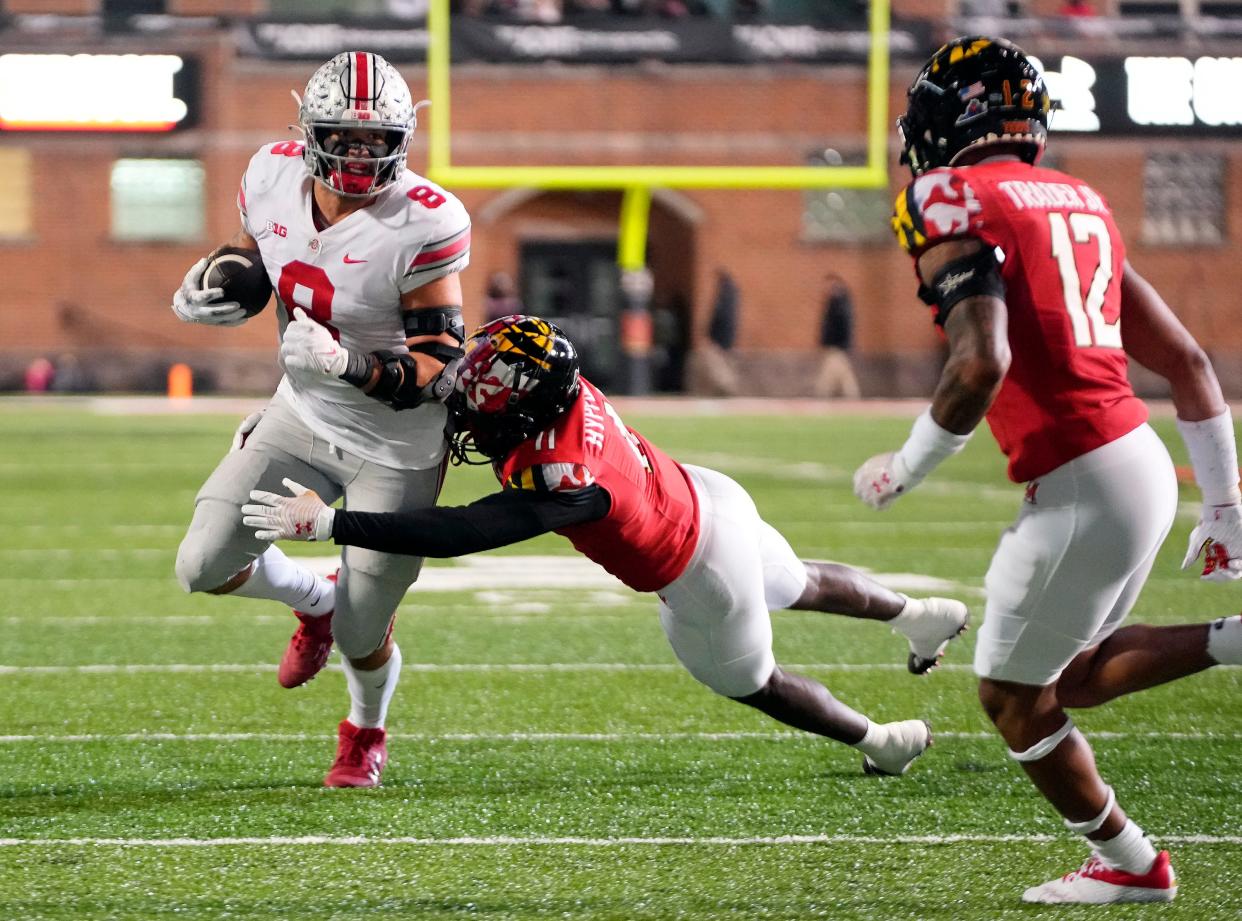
[[636, 182]]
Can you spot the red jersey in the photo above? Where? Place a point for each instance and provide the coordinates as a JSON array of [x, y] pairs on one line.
[[650, 533], [1067, 391]]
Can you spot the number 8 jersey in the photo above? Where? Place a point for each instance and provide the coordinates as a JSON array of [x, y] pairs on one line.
[[350, 277], [1067, 391]]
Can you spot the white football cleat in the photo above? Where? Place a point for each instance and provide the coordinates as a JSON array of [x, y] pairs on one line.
[[929, 624], [1095, 884], [904, 741]]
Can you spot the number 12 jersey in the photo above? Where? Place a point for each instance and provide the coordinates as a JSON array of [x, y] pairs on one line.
[[1067, 391]]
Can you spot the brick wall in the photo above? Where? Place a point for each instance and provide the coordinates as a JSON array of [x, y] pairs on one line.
[[72, 289]]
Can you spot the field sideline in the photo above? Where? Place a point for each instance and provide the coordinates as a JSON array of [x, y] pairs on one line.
[[549, 758]]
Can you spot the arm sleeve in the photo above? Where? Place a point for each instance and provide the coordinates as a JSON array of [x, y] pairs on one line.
[[497, 520]]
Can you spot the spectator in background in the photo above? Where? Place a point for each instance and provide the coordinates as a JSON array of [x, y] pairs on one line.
[[39, 376], [836, 335], [723, 328], [501, 299], [711, 370]]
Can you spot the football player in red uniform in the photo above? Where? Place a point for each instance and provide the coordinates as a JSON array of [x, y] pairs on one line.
[[1026, 273], [567, 463]]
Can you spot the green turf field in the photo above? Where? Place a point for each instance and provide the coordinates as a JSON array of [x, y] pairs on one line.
[[548, 757]]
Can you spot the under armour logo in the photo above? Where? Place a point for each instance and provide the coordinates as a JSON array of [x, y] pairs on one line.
[[1216, 557]]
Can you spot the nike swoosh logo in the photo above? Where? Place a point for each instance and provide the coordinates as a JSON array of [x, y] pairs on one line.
[[349, 261]]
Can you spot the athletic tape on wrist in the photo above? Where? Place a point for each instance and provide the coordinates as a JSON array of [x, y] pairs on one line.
[[1214, 457], [929, 444], [1087, 827], [1044, 747]]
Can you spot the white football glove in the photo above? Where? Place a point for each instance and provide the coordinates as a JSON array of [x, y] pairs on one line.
[[197, 306], [308, 348], [302, 516], [882, 479], [243, 431], [1218, 537]]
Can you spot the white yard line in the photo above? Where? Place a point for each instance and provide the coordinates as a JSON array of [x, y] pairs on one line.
[[573, 841], [481, 573], [778, 736]]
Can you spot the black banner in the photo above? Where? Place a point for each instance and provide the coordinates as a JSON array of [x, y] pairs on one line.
[[590, 41], [1146, 95]]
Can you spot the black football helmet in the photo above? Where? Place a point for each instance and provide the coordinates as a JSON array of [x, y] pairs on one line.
[[518, 374], [974, 91]]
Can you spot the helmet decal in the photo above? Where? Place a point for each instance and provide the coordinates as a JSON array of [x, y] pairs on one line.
[[357, 116], [974, 92], [519, 373]]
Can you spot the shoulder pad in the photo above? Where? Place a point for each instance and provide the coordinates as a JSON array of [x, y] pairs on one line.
[[937, 206], [554, 477]]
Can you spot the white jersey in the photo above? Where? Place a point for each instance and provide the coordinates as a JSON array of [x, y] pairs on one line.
[[350, 277]]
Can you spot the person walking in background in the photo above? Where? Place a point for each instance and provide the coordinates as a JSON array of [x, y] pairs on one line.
[[568, 463], [711, 370], [1026, 273], [364, 256], [835, 377]]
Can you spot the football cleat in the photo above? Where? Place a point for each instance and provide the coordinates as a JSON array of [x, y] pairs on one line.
[[360, 757], [308, 649], [907, 740], [934, 623], [1095, 884]]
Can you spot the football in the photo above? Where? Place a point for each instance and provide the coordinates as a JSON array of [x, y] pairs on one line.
[[240, 273]]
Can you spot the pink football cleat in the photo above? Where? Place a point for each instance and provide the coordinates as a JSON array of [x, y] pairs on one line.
[[360, 757], [1095, 884], [308, 649]]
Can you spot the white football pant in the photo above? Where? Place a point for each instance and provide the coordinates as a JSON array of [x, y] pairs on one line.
[[1067, 572]]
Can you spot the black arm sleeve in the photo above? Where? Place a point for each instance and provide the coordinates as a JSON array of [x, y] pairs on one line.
[[497, 520]]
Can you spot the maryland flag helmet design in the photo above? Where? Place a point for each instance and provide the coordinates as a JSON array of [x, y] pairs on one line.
[[974, 91], [518, 375]]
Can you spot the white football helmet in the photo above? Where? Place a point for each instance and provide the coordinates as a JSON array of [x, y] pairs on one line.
[[358, 117]]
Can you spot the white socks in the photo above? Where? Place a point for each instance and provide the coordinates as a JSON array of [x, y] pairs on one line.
[[1130, 851], [371, 691], [1224, 642], [278, 578]]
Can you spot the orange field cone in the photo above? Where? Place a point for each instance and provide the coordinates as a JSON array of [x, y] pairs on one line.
[[180, 382]]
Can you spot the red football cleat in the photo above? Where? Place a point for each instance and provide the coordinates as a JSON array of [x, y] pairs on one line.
[[360, 757], [1095, 884], [308, 649]]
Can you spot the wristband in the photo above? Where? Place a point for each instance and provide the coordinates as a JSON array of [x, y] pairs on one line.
[[1214, 457], [928, 445], [323, 523]]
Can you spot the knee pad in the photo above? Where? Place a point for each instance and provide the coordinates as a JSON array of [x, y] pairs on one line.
[[215, 548], [366, 603], [739, 677], [200, 568]]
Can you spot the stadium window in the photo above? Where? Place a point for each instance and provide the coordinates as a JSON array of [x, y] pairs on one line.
[[156, 200], [845, 215], [1184, 199], [16, 214]]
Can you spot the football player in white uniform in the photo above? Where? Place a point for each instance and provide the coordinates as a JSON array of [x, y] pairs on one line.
[[363, 255]]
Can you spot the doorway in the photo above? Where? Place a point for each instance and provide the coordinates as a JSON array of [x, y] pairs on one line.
[[575, 284]]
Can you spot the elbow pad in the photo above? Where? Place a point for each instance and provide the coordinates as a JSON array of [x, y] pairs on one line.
[[392, 377], [397, 381], [975, 275]]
